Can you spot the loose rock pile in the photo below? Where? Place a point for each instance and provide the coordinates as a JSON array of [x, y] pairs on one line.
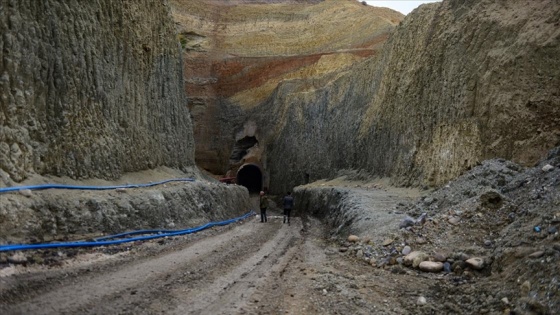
[[495, 227]]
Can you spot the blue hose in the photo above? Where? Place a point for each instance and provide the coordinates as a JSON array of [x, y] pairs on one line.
[[60, 186], [106, 240]]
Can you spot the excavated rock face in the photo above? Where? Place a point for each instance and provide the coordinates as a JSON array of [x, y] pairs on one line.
[[464, 81], [240, 56], [457, 83], [90, 89]]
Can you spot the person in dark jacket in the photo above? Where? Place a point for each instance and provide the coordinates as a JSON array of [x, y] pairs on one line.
[[263, 204], [288, 202]]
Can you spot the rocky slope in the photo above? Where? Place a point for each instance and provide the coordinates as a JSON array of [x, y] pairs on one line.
[[489, 239], [90, 89]]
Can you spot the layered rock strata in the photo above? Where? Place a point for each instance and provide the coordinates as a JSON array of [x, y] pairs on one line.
[[457, 83], [240, 54]]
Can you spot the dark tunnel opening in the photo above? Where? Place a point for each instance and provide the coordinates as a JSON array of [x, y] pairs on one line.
[[251, 177]]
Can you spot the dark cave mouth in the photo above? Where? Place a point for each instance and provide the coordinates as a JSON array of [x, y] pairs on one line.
[[250, 176]]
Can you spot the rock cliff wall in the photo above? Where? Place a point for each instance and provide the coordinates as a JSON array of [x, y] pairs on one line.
[[457, 83], [92, 93], [464, 81], [240, 54], [90, 89]]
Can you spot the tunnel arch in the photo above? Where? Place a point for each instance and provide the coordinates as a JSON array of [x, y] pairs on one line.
[[251, 176]]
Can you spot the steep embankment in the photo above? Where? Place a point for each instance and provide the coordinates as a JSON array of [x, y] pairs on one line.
[[456, 83], [90, 89], [92, 94], [240, 53]]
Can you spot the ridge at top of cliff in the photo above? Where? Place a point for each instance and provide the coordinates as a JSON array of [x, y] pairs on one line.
[[282, 27]]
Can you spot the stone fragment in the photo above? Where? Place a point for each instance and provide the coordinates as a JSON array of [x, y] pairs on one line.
[[360, 254], [406, 222], [537, 254], [26, 192], [421, 240], [439, 256], [387, 242], [353, 238], [422, 219], [525, 287], [428, 201], [430, 266], [505, 301], [552, 230], [408, 259], [385, 261], [476, 263], [406, 250], [420, 258], [343, 249], [453, 220], [547, 168], [421, 300], [447, 267]]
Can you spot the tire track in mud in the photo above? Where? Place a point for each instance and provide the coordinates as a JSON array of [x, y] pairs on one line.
[[237, 290], [128, 288]]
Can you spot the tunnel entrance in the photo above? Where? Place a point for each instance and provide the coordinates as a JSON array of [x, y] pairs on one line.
[[250, 176]]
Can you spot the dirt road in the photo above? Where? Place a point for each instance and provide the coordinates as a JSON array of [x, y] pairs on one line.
[[246, 268]]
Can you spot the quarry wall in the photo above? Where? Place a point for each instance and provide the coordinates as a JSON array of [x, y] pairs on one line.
[[457, 82], [92, 93], [90, 89]]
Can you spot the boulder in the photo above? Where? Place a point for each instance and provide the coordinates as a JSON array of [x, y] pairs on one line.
[[476, 263], [409, 259], [431, 266]]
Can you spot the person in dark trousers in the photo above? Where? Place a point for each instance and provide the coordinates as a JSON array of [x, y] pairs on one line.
[[288, 202], [263, 204]]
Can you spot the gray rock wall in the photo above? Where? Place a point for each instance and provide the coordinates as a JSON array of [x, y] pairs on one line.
[[90, 89]]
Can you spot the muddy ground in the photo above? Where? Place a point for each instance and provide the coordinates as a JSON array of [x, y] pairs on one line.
[[506, 215]]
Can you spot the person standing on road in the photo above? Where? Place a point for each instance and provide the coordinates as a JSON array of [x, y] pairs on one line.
[[288, 202], [263, 204]]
